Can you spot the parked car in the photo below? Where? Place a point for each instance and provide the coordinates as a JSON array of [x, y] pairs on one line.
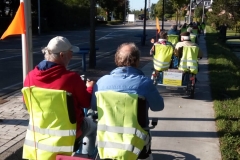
[[141, 17], [100, 18]]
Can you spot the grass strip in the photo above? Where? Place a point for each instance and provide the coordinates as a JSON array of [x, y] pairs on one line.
[[224, 67]]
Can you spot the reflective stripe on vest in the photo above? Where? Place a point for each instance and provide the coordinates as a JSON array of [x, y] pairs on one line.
[[125, 130], [189, 59], [162, 56], [159, 64], [53, 132], [193, 38], [193, 61], [119, 135], [127, 147], [48, 148]]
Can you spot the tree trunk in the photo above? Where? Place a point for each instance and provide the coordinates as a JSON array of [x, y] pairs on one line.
[[177, 17]]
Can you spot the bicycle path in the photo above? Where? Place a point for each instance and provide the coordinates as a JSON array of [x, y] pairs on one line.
[[186, 128]]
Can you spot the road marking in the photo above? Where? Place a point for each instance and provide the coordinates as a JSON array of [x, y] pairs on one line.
[[8, 87], [108, 36], [16, 56]]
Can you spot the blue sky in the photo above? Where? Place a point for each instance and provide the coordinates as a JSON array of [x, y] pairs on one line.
[[138, 4]]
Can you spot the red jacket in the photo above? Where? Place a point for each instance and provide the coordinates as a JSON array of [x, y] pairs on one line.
[[57, 77]]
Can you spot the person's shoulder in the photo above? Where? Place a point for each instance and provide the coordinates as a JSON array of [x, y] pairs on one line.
[[145, 81], [71, 75], [104, 79], [179, 44], [169, 43]]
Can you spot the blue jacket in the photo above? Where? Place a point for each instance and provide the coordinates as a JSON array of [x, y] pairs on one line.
[[130, 80], [174, 32]]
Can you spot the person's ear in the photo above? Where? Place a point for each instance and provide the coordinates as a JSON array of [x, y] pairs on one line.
[[61, 54]]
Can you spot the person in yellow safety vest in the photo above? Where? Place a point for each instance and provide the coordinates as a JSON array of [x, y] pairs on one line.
[[49, 133], [163, 35], [185, 41], [52, 73], [163, 41], [127, 78], [193, 37], [124, 125], [203, 27], [183, 28], [174, 30]]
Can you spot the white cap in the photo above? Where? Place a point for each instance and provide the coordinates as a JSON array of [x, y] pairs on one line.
[[60, 44], [189, 29], [186, 37]]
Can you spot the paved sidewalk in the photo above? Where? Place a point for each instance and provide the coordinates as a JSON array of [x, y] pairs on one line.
[[186, 128]]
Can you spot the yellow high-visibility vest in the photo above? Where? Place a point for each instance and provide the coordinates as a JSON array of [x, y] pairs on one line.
[[203, 26], [193, 38], [50, 131], [189, 59], [162, 57], [195, 31], [119, 134], [183, 30], [174, 39]]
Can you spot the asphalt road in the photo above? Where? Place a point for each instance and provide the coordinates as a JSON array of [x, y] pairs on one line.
[[107, 40]]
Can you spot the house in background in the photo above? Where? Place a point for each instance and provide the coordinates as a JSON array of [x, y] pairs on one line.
[[207, 4]]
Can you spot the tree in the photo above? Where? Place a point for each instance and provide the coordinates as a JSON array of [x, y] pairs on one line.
[[178, 6], [158, 9], [117, 6], [152, 11], [198, 12], [224, 11], [171, 7], [8, 8]]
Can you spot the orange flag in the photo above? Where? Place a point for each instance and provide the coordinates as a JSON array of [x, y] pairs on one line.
[[18, 24], [157, 25]]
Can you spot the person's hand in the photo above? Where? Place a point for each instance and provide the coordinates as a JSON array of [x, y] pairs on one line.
[[152, 40], [151, 52], [90, 83]]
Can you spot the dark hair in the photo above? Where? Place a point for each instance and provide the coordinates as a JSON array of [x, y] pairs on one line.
[[185, 34], [163, 35], [127, 57]]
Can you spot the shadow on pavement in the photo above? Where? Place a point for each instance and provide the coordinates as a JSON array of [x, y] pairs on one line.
[[21, 122], [196, 134], [183, 119], [172, 155]]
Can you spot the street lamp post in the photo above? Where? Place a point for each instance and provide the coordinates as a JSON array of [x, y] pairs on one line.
[[124, 13], [203, 10], [144, 25], [92, 55], [163, 14], [39, 18], [190, 11]]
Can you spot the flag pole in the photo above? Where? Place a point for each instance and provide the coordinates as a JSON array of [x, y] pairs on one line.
[[27, 59], [157, 29]]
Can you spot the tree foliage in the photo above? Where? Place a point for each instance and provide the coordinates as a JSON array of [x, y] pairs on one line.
[[115, 6], [224, 11], [8, 8], [171, 7], [198, 12]]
